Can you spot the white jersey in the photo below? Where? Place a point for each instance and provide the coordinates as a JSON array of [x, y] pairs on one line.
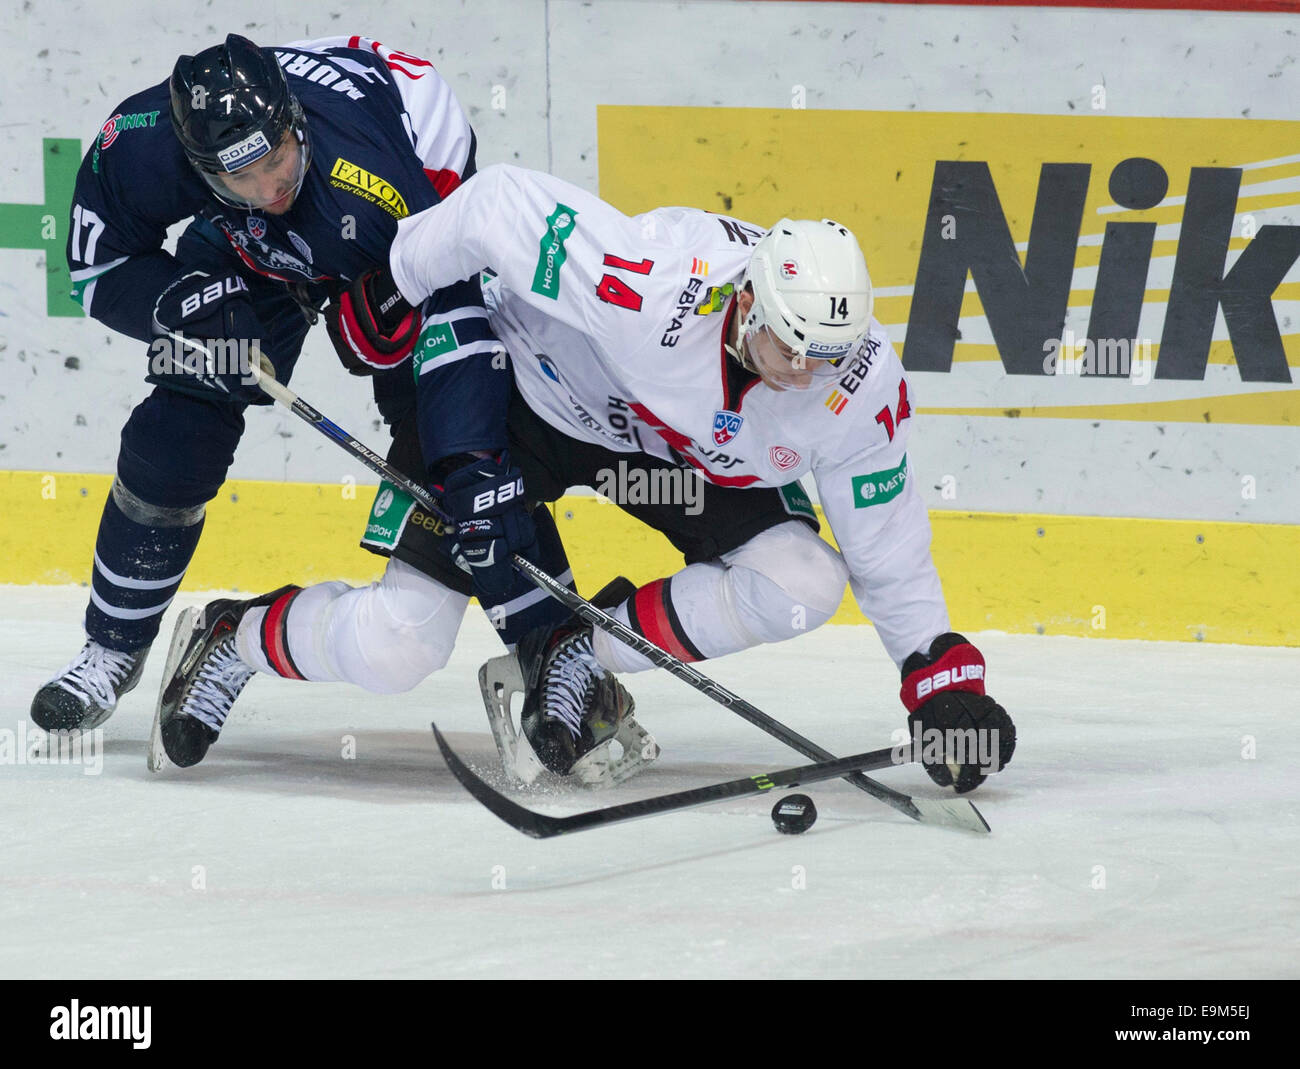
[[615, 328]]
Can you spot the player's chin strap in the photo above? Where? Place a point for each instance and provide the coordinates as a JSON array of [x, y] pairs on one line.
[[740, 356], [957, 813]]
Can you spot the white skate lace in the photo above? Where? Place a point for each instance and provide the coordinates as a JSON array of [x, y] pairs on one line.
[[216, 686], [95, 673], [568, 679]]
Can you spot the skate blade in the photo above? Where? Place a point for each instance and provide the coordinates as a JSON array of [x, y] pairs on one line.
[[500, 679], [599, 769], [189, 620]]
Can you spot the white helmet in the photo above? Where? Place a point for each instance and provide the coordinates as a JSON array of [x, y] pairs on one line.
[[811, 288]]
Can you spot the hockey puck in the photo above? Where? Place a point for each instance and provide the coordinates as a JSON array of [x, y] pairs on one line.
[[794, 814]]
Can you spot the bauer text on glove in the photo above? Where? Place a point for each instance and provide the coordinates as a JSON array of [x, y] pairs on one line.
[[206, 333], [486, 500], [372, 326], [961, 735]]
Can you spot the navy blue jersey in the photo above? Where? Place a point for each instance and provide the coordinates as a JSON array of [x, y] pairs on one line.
[[388, 139]]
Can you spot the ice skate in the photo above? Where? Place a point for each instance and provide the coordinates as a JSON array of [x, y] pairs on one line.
[[86, 692], [577, 719], [203, 677]]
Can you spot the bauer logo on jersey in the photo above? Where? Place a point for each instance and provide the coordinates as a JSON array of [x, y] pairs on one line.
[[726, 425], [257, 227], [370, 187], [242, 153], [880, 486]]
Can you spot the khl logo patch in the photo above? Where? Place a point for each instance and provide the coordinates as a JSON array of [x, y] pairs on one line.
[[726, 425]]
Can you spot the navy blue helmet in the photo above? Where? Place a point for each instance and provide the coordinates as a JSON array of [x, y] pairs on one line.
[[231, 108]]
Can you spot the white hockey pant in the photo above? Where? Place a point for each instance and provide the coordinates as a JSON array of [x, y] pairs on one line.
[[385, 637]]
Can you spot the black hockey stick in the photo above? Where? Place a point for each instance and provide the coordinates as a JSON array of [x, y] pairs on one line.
[[541, 826], [959, 813]]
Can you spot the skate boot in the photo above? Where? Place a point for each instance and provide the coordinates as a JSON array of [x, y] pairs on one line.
[[574, 711], [203, 677], [86, 692]]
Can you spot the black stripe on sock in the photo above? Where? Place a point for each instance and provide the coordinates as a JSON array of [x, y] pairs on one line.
[[675, 623]]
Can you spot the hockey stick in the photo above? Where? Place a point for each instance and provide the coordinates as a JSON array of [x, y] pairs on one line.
[[959, 813], [541, 826]]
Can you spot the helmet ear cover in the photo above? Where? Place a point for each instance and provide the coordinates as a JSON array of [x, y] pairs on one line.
[[811, 288]]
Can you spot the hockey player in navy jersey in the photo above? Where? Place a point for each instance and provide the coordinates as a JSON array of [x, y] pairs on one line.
[[296, 164]]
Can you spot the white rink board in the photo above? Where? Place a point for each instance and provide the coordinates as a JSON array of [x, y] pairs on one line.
[[1129, 758]]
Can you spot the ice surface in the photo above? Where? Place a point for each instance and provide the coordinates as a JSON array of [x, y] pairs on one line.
[[278, 857]]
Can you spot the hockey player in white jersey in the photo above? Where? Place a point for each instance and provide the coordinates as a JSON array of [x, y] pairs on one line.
[[751, 359]]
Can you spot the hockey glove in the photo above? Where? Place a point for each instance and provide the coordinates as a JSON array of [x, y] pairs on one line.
[[963, 734], [371, 325], [486, 502], [206, 331]]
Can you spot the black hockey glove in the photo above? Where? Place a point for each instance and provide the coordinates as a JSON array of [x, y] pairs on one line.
[[206, 334], [371, 325], [962, 734], [486, 502]]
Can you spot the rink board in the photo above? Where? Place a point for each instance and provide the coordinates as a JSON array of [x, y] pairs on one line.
[[1024, 574]]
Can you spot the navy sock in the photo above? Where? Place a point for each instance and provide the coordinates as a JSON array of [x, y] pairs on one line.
[[138, 569]]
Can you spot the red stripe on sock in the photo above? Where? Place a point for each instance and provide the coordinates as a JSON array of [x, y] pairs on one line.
[[652, 615], [274, 643]]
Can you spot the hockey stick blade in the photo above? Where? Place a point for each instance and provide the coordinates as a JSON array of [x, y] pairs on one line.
[[541, 826], [951, 813]]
